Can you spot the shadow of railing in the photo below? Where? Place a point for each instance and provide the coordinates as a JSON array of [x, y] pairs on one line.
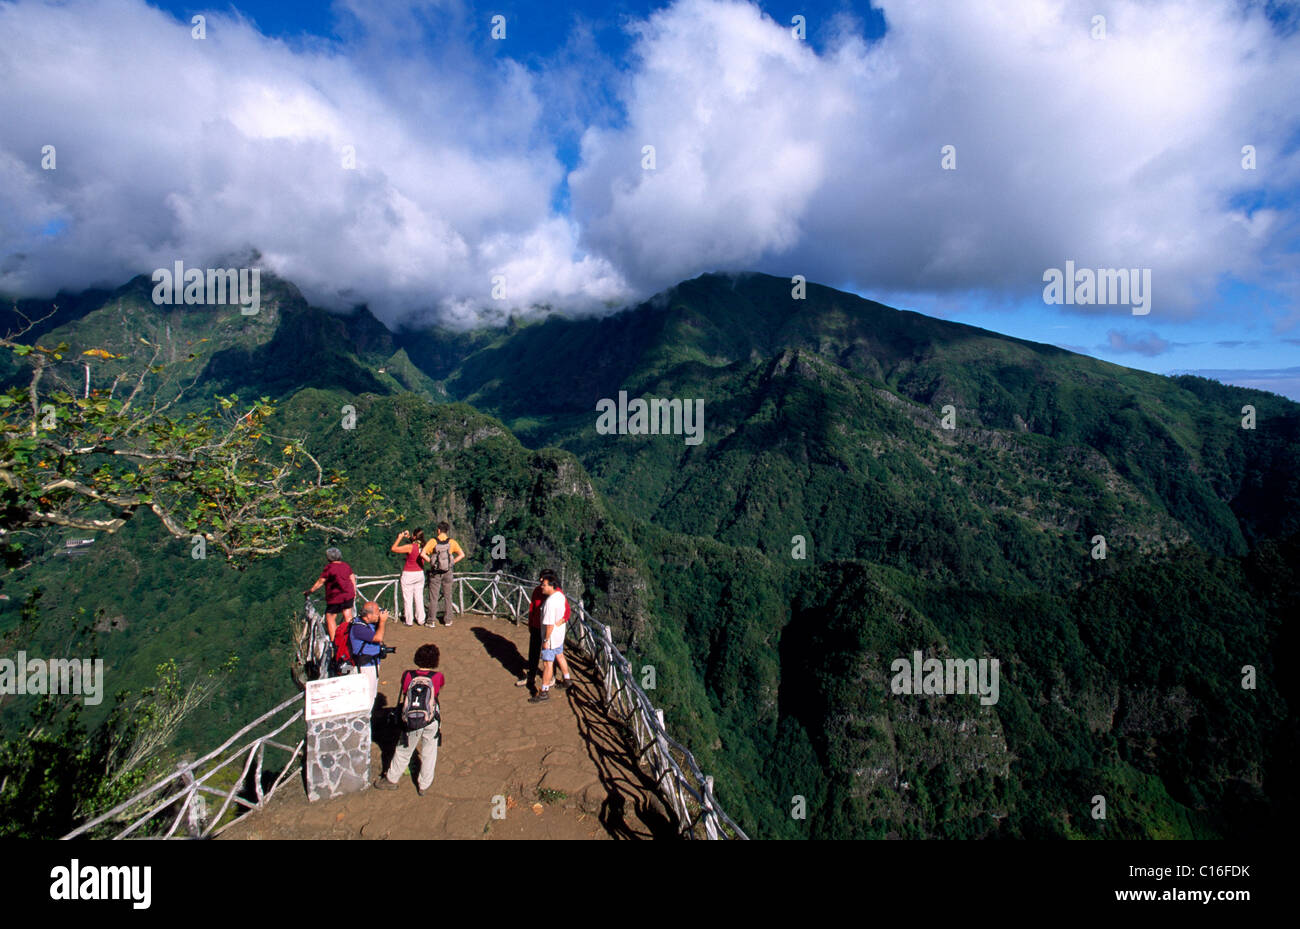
[[624, 732]]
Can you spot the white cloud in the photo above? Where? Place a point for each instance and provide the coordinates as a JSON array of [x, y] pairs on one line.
[[1143, 343], [170, 147], [1122, 152]]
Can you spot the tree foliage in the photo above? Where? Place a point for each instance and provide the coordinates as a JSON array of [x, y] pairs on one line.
[[86, 446], [86, 443]]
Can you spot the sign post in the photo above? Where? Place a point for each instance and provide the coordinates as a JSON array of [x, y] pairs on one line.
[[337, 758]]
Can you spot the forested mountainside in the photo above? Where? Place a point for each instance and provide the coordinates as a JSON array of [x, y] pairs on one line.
[[826, 524]]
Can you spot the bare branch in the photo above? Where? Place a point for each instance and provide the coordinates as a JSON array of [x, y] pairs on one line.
[[7, 339]]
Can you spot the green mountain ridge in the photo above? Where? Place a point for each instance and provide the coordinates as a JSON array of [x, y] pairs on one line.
[[821, 373], [824, 423]]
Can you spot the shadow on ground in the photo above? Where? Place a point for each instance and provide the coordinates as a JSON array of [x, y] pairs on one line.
[[610, 749], [502, 650]]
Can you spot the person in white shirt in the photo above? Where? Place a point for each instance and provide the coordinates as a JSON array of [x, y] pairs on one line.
[[554, 626]]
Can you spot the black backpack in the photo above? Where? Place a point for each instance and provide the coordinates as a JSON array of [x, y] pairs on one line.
[[420, 705]]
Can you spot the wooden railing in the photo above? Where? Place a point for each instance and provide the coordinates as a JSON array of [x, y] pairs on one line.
[[183, 795], [686, 790]]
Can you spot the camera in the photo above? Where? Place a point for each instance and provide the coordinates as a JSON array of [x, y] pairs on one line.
[[386, 650]]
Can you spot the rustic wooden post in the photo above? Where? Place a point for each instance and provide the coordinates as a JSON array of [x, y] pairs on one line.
[[608, 665], [193, 819], [647, 737], [710, 817], [662, 767], [257, 774]]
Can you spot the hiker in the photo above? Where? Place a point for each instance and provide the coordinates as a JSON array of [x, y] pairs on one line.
[[442, 552], [365, 636], [554, 625], [535, 635], [340, 589], [411, 543], [534, 638], [421, 721]]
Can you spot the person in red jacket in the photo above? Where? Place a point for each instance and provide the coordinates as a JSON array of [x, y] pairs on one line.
[[340, 589], [534, 638]]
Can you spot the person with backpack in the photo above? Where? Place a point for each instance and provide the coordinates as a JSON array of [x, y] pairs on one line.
[[366, 640], [340, 589], [555, 622], [421, 721], [341, 663], [535, 634], [410, 543], [442, 552]]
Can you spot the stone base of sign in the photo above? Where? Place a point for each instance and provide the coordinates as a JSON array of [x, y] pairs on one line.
[[337, 756]]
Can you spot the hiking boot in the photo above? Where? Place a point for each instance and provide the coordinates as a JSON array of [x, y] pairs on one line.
[[419, 790], [541, 697], [564, 684], [522, 682], [384, 783]]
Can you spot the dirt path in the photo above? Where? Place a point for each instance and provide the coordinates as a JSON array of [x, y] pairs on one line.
[[562, 766]]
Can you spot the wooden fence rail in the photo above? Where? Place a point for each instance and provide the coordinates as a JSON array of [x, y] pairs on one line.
[[188, 805], [686, 790], [182, 795]]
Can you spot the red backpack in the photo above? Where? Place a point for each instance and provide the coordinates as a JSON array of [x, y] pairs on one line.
[[342, 647]]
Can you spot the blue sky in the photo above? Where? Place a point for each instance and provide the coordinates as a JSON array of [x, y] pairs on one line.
[[523, 160]]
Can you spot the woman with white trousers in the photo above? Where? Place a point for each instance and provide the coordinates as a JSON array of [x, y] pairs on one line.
[[409, 544]]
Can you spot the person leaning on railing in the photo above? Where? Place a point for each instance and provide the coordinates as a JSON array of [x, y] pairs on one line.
[[340, 589]]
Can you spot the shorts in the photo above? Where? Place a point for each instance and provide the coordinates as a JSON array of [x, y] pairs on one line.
[[548, 654], [338, 607]]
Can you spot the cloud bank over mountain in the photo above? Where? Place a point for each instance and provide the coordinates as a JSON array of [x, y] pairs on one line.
[[769, 153]]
